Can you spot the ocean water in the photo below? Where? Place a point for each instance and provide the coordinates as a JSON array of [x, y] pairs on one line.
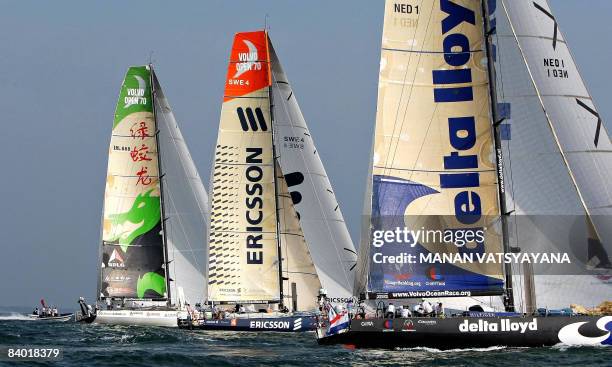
[[97, 345]]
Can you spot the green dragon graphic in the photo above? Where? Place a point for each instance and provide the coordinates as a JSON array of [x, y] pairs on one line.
[[145, 211], [151, 281]]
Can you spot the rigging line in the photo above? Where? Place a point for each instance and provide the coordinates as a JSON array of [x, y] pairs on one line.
[[499, 60], [434, 171], [348, 284], [401, 125], [550, 124], [429, 52], [536, 37], [166, 265]]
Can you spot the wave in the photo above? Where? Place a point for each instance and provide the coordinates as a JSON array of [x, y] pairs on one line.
[[14, 316], [458, 350], [565, 347]]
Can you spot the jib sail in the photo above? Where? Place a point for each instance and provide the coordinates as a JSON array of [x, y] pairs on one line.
[[558, 158], [320, 217], [186, 208]]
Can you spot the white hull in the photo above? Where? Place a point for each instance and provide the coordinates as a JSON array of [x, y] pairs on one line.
[[166, 318], [52, 318]]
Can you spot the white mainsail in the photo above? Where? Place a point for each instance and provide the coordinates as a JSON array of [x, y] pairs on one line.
[[320, 217], [558, 155], [186, 207]]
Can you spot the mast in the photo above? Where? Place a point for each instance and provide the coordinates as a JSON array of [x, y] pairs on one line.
[[509, 296], [278, 240], [161, 189]]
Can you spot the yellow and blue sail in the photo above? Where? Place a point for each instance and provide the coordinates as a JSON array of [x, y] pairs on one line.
[[433, 163]]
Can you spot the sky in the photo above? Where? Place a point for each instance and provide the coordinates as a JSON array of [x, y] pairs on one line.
[[61, 67]]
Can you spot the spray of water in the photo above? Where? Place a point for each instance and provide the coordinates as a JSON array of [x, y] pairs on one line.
[[13, 316]]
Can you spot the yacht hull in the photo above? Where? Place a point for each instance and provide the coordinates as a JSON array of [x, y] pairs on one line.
[[293, 324], [472, 332], [166, 318]]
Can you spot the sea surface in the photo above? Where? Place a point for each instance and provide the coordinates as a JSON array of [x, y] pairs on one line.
[[97, 345]]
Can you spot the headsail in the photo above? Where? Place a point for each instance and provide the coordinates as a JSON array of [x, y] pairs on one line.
[[132, 244], [576, 126], [243, 250], [302, 282], [434, 160], [311, 192], [558, 155], [186, 207]]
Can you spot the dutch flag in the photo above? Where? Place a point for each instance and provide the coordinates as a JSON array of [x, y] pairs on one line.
[[337, 322]]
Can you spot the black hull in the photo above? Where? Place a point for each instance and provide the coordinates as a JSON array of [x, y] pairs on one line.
[[471, 332]]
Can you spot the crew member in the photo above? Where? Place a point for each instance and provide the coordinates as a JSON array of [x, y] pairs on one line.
[[418, 309], [35, 312], [427, 307], [390, 311], [362, 311], [339, 309], [350, 308], [406, 312], [398, 311], [321, 298], [189, 313]]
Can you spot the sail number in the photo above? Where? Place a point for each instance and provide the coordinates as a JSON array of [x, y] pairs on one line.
[[403, 21], [406, 9], [555, 68]]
